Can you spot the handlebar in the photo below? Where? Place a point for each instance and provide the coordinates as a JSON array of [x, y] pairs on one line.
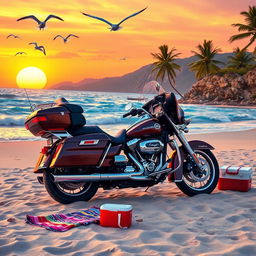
[[135, 111], [125, 115]]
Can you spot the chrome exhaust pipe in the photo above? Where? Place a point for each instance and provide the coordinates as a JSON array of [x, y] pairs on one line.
[[99, 177], [96, 177]]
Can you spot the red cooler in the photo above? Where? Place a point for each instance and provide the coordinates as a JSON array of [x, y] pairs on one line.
[[235, 178], [116, 215]]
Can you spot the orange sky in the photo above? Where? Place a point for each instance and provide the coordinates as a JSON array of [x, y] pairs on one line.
[[97, 53]]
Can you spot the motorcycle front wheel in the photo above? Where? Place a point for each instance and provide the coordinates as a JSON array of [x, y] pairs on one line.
[[196, 182], [69, 192]]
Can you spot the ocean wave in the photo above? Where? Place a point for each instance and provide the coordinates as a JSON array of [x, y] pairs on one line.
[[11, 121], [210, 119], [8, 120], [109, 120], [221, 118], [8, 96]]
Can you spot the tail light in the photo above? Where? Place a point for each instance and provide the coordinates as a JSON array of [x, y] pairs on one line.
[[38, 119], [45, 150]]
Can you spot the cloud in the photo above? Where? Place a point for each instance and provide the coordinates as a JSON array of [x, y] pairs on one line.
[[65, 55], [95, 51], [99, 57]]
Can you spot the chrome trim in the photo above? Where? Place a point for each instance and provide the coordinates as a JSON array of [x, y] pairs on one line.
[[151, 149], [104, 156], [132, 144], [60, 135], [129, 169], [185, 143], [141, 168], [95, 142], [120, 159], [99, 177]]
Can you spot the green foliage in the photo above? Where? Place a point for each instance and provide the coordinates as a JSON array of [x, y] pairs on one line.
[[241, 59], [231, 70], [248, 29], [206, 64], [165, 65]]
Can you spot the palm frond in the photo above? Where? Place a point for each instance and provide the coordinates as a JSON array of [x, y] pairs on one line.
[[239, 36], [165, 64]]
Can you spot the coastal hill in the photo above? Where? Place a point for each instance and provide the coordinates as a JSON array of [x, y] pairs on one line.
[[134, 81], [228, 89]]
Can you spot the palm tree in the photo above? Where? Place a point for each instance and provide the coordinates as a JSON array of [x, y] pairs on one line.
[[241, 59], [249, 27], [165, 65], [206, 64]]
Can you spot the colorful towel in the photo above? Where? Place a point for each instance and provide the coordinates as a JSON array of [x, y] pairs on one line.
[[63, 222]]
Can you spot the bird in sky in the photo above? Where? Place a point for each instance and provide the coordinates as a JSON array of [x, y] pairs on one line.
[[39, 47], [20, 53], [12, 35], [124, 58], [41, 24], [114, 27], [65, 39]]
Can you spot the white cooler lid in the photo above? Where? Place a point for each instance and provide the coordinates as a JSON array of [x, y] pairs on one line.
[[244, 172], [116, 207]]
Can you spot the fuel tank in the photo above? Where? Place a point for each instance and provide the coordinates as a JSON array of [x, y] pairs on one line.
[[145, 128]]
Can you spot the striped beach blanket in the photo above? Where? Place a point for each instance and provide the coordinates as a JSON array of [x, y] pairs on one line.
[[63, 222]]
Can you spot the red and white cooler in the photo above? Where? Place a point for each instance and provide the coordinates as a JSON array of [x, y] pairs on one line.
[[235, 178], [116, 215]]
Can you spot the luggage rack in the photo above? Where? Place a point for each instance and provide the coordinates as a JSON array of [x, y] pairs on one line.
[[43, 106]]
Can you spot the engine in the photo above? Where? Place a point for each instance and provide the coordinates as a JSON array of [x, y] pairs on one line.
[[148, 152], [150, 146]]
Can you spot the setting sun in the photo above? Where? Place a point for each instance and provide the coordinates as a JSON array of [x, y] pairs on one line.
[[31, 77]]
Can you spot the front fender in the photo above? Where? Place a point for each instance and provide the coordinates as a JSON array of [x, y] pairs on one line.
[[194, 144], [199, 144]]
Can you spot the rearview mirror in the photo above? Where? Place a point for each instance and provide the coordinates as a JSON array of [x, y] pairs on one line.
[[128, 107]]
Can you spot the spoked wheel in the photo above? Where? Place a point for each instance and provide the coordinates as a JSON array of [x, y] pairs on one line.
[[69, 192], [195, 181]]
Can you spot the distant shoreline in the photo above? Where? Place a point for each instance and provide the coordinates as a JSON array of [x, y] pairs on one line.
[[222, 105]]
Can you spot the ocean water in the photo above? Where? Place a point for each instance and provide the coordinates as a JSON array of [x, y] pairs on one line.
[[106, 110]]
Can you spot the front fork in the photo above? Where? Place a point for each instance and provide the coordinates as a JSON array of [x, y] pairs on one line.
[[184, 142]]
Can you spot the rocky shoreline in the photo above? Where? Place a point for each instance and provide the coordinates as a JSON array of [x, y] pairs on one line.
[[227, 89]]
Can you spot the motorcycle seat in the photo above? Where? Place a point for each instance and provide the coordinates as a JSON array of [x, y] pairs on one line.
[[89, 129]]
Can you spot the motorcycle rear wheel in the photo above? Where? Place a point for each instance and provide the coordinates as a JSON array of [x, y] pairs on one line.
[[195, 182], [69, 192]]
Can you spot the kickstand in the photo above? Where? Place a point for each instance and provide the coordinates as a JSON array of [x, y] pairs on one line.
[[147, 189]]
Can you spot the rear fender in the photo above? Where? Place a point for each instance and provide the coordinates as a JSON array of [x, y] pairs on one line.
[[194, 144]]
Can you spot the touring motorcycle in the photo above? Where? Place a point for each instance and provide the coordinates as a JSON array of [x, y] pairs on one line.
[[79, 158]]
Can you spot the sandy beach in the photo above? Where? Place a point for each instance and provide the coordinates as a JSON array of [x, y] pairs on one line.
[[222, 223]]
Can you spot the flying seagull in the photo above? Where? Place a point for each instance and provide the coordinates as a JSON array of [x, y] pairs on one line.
[[39, 47], [15, 36], [114, 27], [20, 53], [124, 58], [41, 24], [65, 39]]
